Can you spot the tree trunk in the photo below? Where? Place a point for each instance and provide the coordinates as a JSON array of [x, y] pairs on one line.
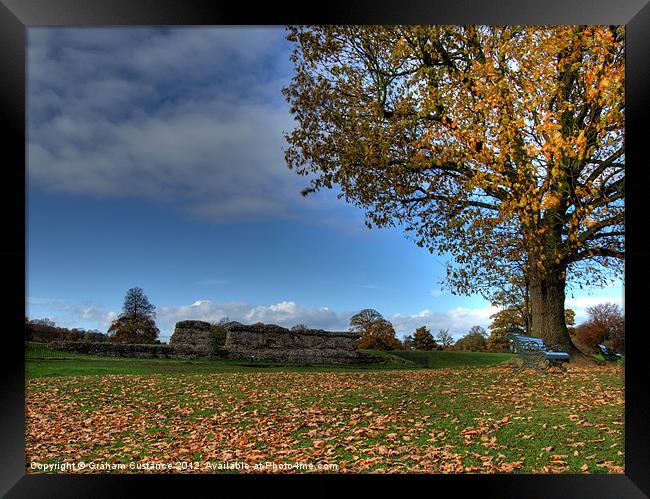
[[527, 313], [547, 307]]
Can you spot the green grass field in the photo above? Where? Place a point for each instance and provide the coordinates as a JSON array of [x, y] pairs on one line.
[[436, 359], [422, 412], [448, 420], [81, 365]]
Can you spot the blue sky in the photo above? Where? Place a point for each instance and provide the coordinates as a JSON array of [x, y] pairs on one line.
[[155, 159]]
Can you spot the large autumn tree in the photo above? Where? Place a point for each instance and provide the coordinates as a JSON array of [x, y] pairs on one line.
[[495, 146]]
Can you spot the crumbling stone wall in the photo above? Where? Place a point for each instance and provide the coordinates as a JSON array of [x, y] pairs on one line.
[[200, 335], [310, 346], [202, 340], [129, 350]]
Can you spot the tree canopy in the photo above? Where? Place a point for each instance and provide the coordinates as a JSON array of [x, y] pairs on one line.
[[362, 320], [508, 320], [136, 304], [376, 332], [380, 335], [494, 145], [423, 339], [474, 340], [444, 337], [136, 323], [138, 330], [606, 323]]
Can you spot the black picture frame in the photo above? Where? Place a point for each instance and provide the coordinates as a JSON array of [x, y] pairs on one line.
[[18, 15]]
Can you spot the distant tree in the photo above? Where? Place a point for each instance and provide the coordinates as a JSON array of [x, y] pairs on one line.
[[361, 321], [473, 341], [478, 330], [74, 334], [424, 339], [617, 336], [445, 338], [299, 328], [409, 342], [137, 305], [608, 320], [136, 323], [43, 322], [588, 334], [94, 335], [140, 330], [497, 341], [380, 335], [607, 314], [508, 320], [87, 337], [223, 321], [44, 330]]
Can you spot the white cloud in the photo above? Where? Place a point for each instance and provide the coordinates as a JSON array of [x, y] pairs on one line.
[[580, 304], [287, 307], [189, 116], [589, 301], [85, 315], [482, 314], [458, 320], [219, 167], [285, 313]]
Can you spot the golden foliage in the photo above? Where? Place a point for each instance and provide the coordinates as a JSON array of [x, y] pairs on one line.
[[477, 139]]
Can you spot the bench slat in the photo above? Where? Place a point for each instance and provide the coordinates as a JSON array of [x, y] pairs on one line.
[[534, 352]]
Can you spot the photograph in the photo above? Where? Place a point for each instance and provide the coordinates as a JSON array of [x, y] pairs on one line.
[[325, 249]]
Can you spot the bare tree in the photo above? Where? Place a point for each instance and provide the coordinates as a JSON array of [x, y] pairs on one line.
[[444, 338]]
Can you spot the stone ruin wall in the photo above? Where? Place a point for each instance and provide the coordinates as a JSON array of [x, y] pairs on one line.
[[150, 351], [275, 343], [191, 340], [268, 342], [197, 334]]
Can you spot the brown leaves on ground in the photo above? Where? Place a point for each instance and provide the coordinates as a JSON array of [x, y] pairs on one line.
[[429, 421]]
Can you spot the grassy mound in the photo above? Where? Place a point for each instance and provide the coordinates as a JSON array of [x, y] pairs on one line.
[[435, 359]]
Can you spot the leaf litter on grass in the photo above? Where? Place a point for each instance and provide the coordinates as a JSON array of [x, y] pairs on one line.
[[467, 420]]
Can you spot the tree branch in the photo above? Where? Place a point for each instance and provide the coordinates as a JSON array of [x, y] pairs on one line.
[[596, 227], [596, 251], [603, 165]]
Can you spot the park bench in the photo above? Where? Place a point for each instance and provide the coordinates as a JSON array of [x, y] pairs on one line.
[[535, 354], [608, 353]]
